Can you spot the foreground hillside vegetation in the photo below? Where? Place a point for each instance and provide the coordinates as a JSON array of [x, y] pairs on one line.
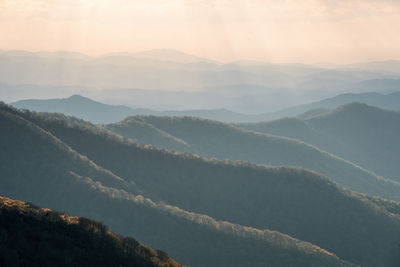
[[191, 238], [41, 237]]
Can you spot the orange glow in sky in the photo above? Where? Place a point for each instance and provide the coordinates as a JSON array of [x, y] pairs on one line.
[[305, 31]]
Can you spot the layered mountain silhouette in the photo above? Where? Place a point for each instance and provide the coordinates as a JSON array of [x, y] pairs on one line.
[[363, 134], [305, 205], [81, 107], [195, 239], [31, 236], [97, 112], [218, 140], [387, 101], [165, 79], [173, 68]]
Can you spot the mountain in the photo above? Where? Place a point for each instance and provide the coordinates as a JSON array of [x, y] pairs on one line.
[[192, 238], [31, 236], [171, 80], [96, 112], [80, 107], [218, 140], [386, 101], [363, 134], [209, 139], [293, 201]]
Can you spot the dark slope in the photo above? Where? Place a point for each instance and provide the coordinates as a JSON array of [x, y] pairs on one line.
[[293, 201], [40, 237], [365, 135], [215, 139], [193, 239], [58, 160]]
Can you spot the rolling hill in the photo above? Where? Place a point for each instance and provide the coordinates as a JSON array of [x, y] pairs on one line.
[[80, 107], [194, 239], [297, 202], [176, 134], [31, 236], [365, 135], [387, 101], [218, 140], [96, 112]]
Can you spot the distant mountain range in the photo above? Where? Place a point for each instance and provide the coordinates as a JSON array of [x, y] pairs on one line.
[[387, 101], [363, 134], [81, 107], [31, 236], [170, 80], [97, 112]]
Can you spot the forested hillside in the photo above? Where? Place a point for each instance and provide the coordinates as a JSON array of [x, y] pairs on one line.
[[293, 201], [365, 135], [193, 239], [31, 236], [219, 140], [145, 133]]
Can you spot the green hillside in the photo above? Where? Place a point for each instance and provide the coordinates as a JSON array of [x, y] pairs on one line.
[[293, 201], [41, 237], [365, 135]]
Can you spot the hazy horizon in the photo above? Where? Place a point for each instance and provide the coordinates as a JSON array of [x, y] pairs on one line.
[[213, 60], [312, 31]]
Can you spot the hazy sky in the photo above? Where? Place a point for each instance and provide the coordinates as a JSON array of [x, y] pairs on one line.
[[306, 31]]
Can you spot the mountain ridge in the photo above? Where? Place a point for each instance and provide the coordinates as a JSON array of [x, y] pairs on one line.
[[218, 140], [87, 196], [360, 133], [240, 193], [114, 113]]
